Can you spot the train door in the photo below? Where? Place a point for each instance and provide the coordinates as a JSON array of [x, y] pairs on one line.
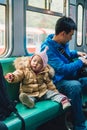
[[85, 27], [80, 24], [81, 18]]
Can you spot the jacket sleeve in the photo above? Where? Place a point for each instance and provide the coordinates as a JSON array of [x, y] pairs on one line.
[[49, 83], [73, 54], [51, 71], [18, 76]]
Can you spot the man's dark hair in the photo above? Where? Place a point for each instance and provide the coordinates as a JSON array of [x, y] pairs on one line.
[[65, 24]]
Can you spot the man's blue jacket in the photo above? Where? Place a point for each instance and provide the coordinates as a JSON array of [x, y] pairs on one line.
[[64, 69]]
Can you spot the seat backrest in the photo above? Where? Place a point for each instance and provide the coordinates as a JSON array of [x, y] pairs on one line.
[[12, 88]]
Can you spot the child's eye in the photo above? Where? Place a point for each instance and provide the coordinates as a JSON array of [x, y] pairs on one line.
[[40, 63], [34, 60]]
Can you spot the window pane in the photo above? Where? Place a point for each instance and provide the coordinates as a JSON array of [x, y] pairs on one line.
[[38, 26], [72, 13], [2, 29], [37, 3], [79, 25], [57, 5], [53, 5]]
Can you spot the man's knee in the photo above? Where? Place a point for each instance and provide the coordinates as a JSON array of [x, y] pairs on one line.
[[72, 88], [76, 87]]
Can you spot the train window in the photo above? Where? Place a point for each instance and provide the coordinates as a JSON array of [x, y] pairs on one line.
[[79, 25], [53, 5], [38, 26], [40, 20], [2, 29]]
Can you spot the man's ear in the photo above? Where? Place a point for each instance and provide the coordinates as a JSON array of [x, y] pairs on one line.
[[63, 33]]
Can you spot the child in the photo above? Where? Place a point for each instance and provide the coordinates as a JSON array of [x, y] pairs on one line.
[[34, 76]]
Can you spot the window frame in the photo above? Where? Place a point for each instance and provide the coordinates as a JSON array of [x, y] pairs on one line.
[[8, 27], [82, 24]]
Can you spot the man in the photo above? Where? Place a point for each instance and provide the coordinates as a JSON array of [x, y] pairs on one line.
[[66, 77]]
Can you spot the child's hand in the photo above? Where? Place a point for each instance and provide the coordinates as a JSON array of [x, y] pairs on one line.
[[9, 77]]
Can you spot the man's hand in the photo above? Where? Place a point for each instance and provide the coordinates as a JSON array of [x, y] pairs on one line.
[[81, 54], [84, 60]]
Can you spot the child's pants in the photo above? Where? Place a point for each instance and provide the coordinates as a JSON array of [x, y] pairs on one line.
[[55, 96]]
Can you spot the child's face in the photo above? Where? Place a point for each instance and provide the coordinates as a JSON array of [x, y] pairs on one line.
[[36, 63]]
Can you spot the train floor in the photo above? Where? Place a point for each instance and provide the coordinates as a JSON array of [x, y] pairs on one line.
[[55, 124], [60, 123]]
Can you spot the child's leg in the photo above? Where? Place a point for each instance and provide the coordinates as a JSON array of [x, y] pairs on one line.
[[58, 97], [62, 99], [26, 100], [50, 94]]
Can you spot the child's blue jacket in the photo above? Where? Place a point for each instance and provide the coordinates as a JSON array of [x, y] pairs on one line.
[[64, 69]]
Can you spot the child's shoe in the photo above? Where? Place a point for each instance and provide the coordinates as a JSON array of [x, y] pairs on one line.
[[26, 100], [58, 97], [65, 102]]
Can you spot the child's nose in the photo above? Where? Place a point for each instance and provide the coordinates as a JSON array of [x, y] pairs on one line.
[[35, 63]]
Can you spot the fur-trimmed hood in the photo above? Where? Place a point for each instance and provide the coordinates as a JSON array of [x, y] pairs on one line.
[[21, 62], [24, 62]]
